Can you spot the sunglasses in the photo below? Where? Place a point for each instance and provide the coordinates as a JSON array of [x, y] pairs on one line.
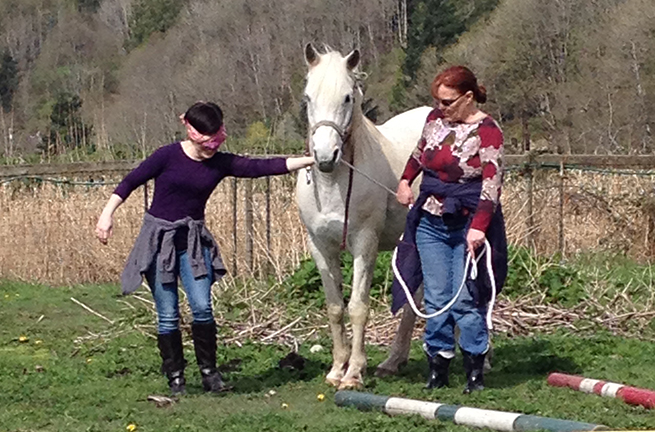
[[447, 102]]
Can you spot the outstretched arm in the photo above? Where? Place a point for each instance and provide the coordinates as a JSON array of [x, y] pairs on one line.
[[296, 163], [243, 166]]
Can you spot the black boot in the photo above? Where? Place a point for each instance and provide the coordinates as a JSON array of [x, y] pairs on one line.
[[438, 377], [172, 355], [204, 342], [474, 367]]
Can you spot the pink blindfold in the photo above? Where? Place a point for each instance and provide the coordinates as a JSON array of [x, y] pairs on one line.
[[210, 142]]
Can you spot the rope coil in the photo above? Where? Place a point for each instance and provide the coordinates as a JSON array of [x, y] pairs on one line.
[[474, 274]]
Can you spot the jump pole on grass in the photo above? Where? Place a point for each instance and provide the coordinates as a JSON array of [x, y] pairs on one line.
[[474, 417], [629, 395]]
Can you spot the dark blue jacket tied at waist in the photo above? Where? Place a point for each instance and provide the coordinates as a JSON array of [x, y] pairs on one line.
[[455, 198]]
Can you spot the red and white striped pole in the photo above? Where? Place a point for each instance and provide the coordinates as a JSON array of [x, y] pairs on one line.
[[629, 395]]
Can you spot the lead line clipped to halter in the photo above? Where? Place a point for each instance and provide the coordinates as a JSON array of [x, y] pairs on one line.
[[474, 275]]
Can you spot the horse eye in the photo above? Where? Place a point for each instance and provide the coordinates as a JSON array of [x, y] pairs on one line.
[[347, 99]]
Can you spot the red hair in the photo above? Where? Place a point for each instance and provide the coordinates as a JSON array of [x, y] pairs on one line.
[[462, 79]]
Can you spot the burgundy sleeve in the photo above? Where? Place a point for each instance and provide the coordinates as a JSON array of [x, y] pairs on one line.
[[148, 169], [243, 166], [414, 167], [491, 159]]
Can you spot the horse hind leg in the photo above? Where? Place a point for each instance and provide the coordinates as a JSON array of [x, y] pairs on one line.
[[399, 351]]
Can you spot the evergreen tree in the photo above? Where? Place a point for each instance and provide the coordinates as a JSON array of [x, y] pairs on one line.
[[150, 16], [67, 129], [88, 6], [8, 79], [431, 23]]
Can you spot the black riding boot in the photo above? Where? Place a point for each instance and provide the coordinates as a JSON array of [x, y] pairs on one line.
[[438, 377], [474, 367], [204, 342], [172, 355]]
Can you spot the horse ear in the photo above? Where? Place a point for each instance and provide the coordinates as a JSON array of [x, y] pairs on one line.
[[352, 60], [311, 56]]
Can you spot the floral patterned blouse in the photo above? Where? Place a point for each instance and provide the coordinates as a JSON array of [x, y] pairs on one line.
[[461, 152]]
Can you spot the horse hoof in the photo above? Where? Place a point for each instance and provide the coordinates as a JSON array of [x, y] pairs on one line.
[[351, 384], [381, 372], [334, 382], [389, 367]]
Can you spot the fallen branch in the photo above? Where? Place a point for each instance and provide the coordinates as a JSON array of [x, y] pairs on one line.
[[92, 311], [282, 330]]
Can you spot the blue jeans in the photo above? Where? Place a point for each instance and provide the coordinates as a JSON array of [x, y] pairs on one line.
[[198, 293], [442, 248]]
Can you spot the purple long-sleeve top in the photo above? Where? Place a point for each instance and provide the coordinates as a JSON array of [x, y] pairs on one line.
[[183, 185]]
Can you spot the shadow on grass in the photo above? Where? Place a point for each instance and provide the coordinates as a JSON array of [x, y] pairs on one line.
[[237, 374], [520, 360], [514, 362], [277, 377]]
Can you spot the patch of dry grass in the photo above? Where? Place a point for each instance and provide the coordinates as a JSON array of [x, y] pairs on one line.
[[47, 230]]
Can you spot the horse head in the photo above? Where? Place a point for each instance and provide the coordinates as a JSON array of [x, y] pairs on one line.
[[333, 101]]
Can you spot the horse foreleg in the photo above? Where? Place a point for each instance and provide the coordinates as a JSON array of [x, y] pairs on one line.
[[328, 264], [358, 309]]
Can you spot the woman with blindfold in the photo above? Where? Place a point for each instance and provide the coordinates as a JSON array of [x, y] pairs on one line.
[[460, 156], [174, 241]]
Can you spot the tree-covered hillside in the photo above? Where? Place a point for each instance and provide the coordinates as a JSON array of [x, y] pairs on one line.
[[108, 78]]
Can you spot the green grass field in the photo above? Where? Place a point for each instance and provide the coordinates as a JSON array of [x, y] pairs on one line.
[[77, 372]]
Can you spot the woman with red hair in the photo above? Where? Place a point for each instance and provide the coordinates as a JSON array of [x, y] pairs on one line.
[[460, 156]]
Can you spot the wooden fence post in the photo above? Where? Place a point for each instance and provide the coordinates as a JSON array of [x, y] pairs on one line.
[[234, 225], [561, 210], [145, 197], [269, 256], [529, 176], [249, 227]]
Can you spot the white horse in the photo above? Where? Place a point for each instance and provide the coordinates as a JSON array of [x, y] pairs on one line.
[[338, 131]]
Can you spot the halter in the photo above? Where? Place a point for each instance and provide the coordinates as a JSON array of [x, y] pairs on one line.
[[344, 135]]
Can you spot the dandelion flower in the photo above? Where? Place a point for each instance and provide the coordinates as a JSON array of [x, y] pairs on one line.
[[285, 406], [23, 339], [320, 397], [131, 427]]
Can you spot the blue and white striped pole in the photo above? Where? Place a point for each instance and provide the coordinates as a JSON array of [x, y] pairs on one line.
[[474, 417]]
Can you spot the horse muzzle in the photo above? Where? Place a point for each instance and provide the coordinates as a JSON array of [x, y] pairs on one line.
[[327, 165]]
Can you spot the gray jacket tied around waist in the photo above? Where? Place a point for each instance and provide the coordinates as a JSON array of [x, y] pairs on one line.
[[156, 239]]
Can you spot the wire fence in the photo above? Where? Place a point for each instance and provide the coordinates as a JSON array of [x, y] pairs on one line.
[[551, 205]]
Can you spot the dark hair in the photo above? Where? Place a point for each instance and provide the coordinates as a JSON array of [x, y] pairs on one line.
[[205, 117], [462, 79]]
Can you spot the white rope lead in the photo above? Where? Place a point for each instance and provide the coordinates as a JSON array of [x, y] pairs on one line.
[[474, 269], [490, 271]]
